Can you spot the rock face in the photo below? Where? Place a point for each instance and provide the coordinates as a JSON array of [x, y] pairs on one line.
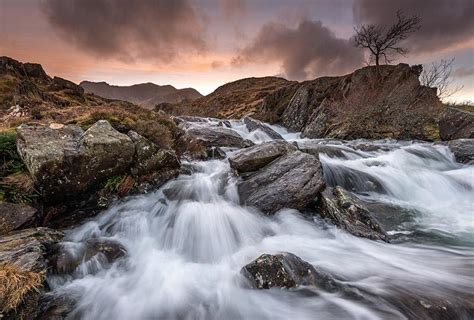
[[463, 150], [290, 181], [148, 156], [347, 212], [256, 157], [63, 84], [16, 216], [456, 124], [218, 137], [253, 124], [23, 265], [366, 105], [66, 160]]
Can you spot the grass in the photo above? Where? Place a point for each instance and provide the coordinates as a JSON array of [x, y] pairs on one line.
[[15, 284]]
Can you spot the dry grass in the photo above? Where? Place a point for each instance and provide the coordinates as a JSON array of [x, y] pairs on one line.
[[19, 180], [125, 185], [15, 284]]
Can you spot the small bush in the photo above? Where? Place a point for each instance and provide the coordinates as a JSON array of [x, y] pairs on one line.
[[9, 157]]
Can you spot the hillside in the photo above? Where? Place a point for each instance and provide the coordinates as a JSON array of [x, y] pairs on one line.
[[145, 94], [234, 99]]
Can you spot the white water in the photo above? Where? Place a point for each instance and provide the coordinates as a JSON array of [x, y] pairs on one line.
[[185, 253]]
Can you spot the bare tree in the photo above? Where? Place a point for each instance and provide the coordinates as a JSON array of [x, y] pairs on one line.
[[384, 42], [438, 75]]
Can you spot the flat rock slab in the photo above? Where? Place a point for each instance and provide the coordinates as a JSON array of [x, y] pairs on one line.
[[256, 157], [16, 216], [291, 181], [218, 137], [254, 124]]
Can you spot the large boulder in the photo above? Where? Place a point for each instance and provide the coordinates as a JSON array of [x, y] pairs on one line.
[[463, 150], [16, 216], [149, 157], [286, 270], [218, 137], [366, 104], [23, 266], [59, 84], [347, 212], [456, 124], [290, 181], [253, 124], [64, 160], [256, 157]]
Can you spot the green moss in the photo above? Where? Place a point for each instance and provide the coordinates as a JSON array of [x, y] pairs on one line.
[[432, 131]]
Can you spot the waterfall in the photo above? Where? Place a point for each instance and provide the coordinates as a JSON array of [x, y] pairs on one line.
[[187, 241]]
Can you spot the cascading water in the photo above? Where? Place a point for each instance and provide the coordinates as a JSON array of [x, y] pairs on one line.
[[187, 242]]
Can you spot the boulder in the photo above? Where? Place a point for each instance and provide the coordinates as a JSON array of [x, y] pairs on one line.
[[65, 259], [23, 266], [59, 84], [253, 124], [456, 124], [347, 212], [331, 150], [258, 156], [290, 181], [149, 157], [66, 161], [366, 104], [463, 150], [16, 216], [218, 137], [286, 270]]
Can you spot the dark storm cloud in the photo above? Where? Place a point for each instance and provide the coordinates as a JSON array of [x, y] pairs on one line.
[[463, 72], [444, 22], [307, 51], [152, 29]]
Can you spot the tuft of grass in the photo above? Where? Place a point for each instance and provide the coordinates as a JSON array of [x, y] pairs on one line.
[[15, 284]]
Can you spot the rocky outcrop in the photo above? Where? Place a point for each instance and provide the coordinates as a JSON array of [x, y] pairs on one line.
[[463, 150], [149, 157], [218, 137], [16, 216], [366, 104], [59, 84], [256, 157], [253, 124], [290, 181], [347, 212], [456, 124], [23, 265], [64, 160]]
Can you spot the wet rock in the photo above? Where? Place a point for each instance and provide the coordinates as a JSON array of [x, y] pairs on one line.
[[332, 151], [215, 153], [67, 257], [16, 216], [59, 84], [218, 137], [463, 150], [456, 124], [149, 157], [286, 270], [253, 124], [65, 161], [23, 256], [56, 308], [256, 157], [291, 181], [347, 212]]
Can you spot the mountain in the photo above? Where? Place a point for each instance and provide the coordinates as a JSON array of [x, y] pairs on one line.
[[145, 94]]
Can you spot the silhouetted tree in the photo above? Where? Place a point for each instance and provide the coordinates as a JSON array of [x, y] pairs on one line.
[[384, 42], [438, 75]]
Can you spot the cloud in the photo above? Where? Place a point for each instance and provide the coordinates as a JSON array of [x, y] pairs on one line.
[[444, 23], [158, 30], [233, 8], [463, 72], [307, 51]]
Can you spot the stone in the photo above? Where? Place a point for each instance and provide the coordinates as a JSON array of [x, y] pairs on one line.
[[256, 157], [254, 124], [456, 124], [59, 84], [463, 150], [218, 137], [347, 212], [291, 181], [16, 216]]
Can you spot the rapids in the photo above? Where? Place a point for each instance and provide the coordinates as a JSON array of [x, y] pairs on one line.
[[187, 242]]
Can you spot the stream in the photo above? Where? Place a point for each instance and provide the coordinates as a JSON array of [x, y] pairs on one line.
[[187, 242]]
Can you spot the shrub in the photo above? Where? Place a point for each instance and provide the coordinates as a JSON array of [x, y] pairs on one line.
[[10, 159]]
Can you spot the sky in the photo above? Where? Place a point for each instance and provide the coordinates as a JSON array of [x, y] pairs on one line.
[[206, 43]]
